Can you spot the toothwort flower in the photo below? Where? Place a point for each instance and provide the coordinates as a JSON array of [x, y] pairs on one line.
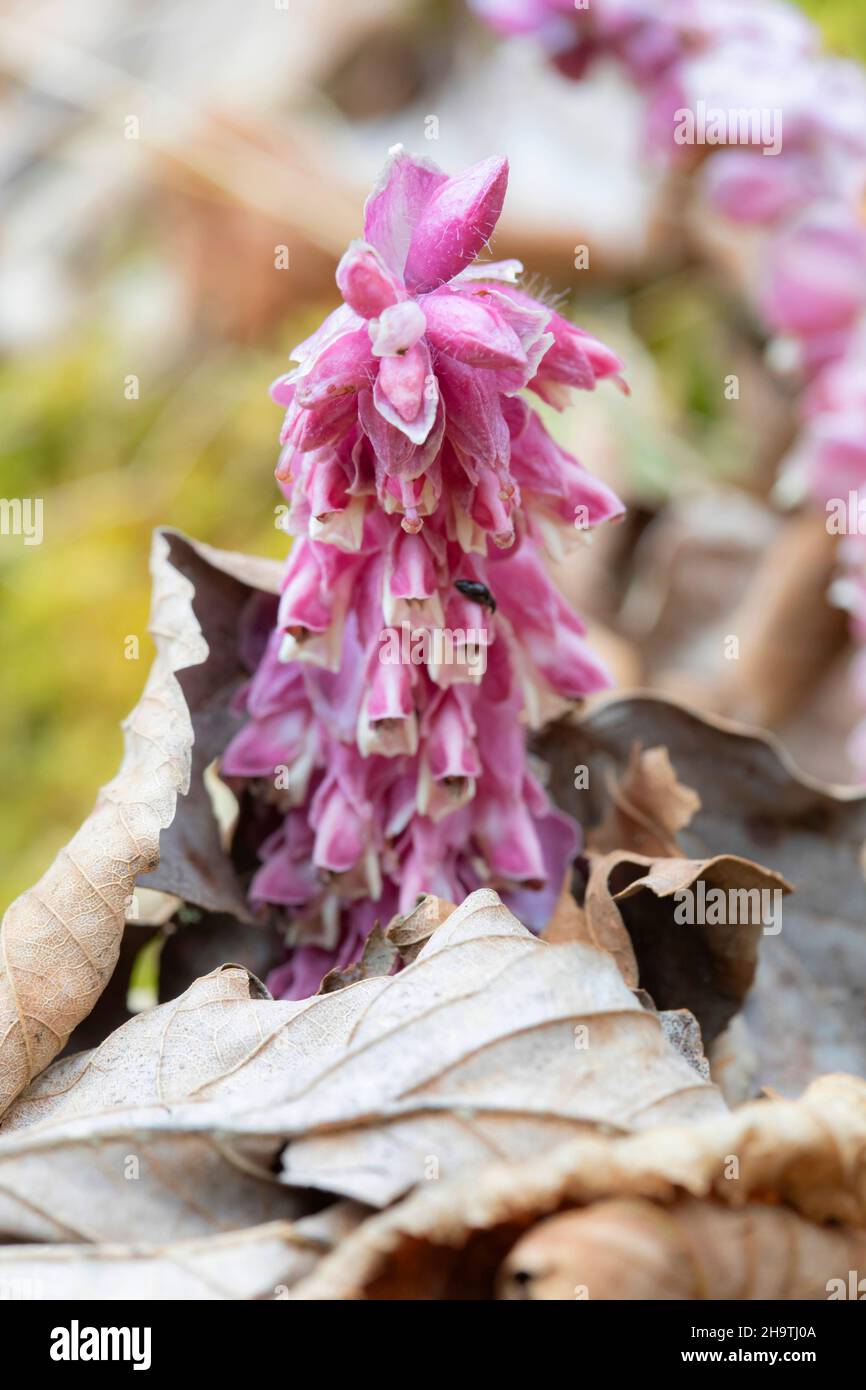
[[418, 635]]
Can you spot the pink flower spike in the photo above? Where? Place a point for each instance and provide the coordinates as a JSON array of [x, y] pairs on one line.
[[418, 634], [455, 224]]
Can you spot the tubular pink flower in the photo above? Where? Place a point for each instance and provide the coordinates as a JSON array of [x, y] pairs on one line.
[[417, 631]]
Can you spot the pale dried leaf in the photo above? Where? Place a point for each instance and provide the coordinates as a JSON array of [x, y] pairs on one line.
[[261, 1262], [133, 1176], [492, 1043], [100, 1146], [809, 1154]]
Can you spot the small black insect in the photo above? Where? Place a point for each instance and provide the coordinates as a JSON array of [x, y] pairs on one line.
[[476, 591]]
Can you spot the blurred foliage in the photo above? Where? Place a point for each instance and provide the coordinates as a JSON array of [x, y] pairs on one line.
[[194, 451], [843, 23]]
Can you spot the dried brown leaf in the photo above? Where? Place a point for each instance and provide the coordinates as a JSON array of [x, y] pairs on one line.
[[805, 1010], [648, 807], [217, 586], [490, 1043], [788, 631], [568, 919], [448, 1240], [706, 967], [638, 1249], [378, 957], [410, 931]]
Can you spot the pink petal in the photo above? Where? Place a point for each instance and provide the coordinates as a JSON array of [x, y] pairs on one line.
[[450, 732], [462, 326], [322, 424], [455, 224], [406, 394], [817, 278], [262, 745], [508, 836], [390, 694], [473, 413], [340, 839], [559, 840], [745, 187], [393, 209], [302, 602], [341, 369], [365, 282], [540, 466], [413, 575], [398, 329], [341, 320]]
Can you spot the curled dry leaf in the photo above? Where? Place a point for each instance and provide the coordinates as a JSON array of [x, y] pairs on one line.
[[632, 1248], [805, 1011], [490, 1043], [217, 587], [59, 941], [449, 1239], [633, 902], [378, 957], [632, 908], [410, 932], [153, 826], [648, 807]]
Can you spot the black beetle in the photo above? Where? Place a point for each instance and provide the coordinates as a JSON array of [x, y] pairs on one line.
[[476, 591]]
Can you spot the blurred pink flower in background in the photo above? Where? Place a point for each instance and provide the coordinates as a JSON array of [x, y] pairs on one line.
[[804, 192]]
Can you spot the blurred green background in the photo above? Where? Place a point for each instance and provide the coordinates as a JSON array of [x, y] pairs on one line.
[[165, 281]]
